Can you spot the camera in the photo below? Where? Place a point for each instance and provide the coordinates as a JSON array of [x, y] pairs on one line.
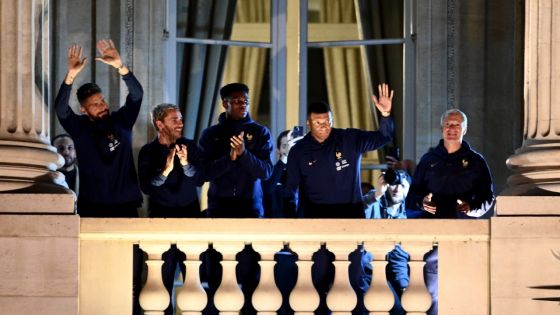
[[297, 132], [392, 177]]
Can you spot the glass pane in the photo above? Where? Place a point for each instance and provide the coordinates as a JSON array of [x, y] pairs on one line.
[[336, 20], [211, 19]]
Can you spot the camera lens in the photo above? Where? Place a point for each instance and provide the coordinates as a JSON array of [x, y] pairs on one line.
[[391, 177]]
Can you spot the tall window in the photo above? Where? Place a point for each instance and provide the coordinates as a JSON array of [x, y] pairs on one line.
[[344, 49]]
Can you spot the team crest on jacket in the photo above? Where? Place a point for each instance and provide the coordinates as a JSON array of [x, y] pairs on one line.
[[249, 137], [465, 163], [338, 155], [340, 162]]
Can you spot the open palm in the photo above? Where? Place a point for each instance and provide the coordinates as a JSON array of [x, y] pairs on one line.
[[385, 100]]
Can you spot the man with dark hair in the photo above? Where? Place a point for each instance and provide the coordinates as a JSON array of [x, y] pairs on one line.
[[235, 158], [65, 146], [325, 165], [108, 183]]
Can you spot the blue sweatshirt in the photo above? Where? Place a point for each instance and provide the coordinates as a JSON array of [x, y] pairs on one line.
[[327, 174], [104, 148], [235, 186], [176, 190], [461, 175]]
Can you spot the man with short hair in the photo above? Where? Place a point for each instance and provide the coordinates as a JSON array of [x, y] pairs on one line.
[[167, 167], [451, 181], [65, 146], [236, 157], [108, 183], [325, 165], [167, 172]]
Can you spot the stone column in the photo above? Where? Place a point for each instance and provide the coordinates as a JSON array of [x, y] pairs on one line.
[[28, 162], [537, 162]]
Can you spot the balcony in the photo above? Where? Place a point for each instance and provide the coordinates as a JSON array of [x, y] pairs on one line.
[[106, 262], [61, 264]]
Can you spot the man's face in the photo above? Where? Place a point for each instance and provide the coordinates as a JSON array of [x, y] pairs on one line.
[[65, 147], [172, 125], [452, 129], [320, 126], [95, 107], [398, 192], [237, 105], [284, 148]]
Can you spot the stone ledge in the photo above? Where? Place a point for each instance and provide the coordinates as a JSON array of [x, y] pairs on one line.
[[36, 203], [527, 205]]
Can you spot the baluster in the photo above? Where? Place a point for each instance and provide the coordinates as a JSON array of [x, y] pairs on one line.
[[191, 297], [154, 297], [304, 299], [379, 298], [229, 297], [341, 298], [267, 298], [416, 299]]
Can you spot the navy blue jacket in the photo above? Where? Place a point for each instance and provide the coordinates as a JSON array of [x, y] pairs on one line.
[[273, 192], [461, 175], [327, 174], [104, 148], [176, 190], [235, 186]]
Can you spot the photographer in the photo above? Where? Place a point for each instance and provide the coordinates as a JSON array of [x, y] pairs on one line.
[[387, 201]]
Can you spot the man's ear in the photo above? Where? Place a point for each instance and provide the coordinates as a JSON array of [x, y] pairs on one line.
[[82, 109], [464, 131], [159, 125], [225, 104]]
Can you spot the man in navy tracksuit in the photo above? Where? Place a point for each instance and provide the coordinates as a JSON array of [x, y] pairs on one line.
[[451, 181], [235, 157], [103, 140], [168, 175], [325, 168], [167, 167], [325, 165]]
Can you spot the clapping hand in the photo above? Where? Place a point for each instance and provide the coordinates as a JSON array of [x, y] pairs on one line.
[[182, 153], [237, 144]]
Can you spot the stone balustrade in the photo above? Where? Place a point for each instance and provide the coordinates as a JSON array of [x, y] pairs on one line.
[[106, 251]]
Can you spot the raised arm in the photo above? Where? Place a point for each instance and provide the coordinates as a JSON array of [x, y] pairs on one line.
[[110, 55]]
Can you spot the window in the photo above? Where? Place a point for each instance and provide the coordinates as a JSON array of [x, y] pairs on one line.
[[345, 49]]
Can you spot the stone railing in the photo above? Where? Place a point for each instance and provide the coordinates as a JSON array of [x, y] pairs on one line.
[[106, 260]]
